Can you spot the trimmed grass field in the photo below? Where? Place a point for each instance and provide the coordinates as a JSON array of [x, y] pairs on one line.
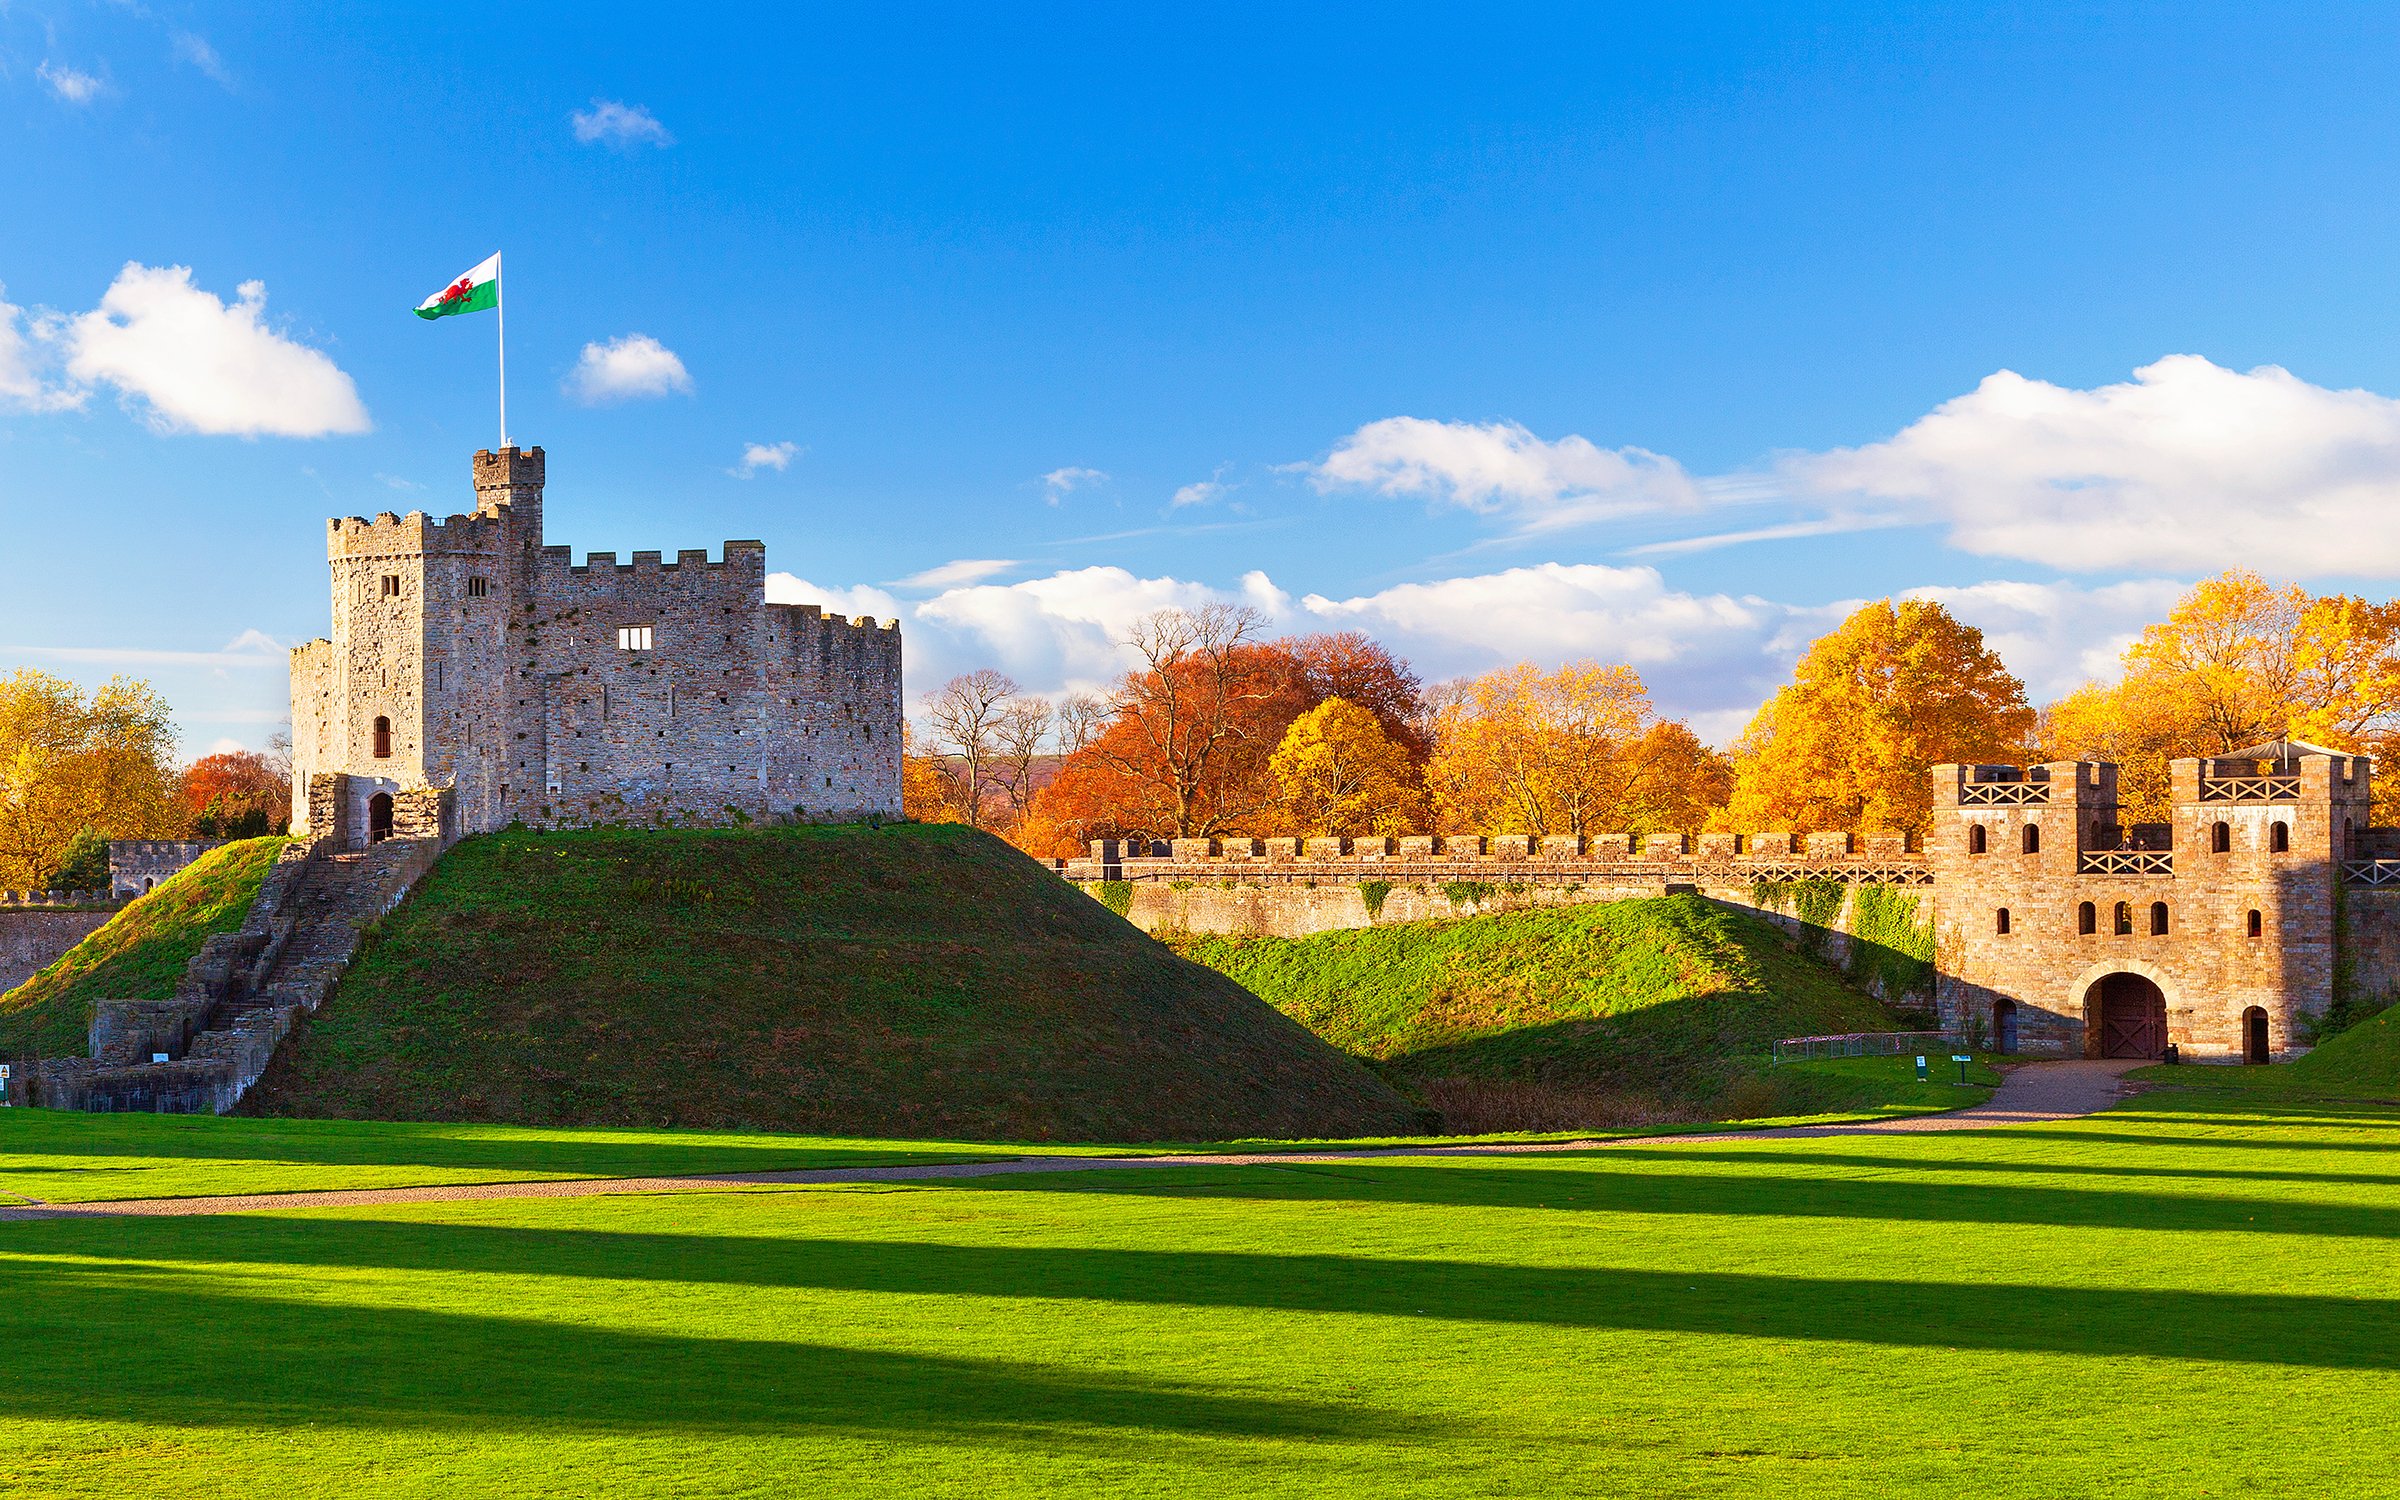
[[53, 1156], [2190, 1295]]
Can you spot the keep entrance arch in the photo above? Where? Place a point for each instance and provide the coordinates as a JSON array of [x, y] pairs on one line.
[[2131, 1015], [379, 817]]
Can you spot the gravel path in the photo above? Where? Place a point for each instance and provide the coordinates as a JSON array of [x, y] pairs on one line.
[[2028, 1094]]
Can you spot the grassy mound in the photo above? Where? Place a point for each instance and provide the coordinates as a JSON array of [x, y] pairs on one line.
[[2363, 1060], [1582, 1014], [912, 981], [139, 955]]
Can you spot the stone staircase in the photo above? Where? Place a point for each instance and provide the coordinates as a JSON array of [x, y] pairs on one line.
[[241, 995]]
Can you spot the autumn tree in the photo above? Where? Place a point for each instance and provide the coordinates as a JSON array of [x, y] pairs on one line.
[[2238, 661], [1359, 670], [1341, 775], [928, 792], [1559, 752], [237, 794], [1019, 741], [1191, 727], [1896, 690], [966, 714], [70, 761], [1675, 783]]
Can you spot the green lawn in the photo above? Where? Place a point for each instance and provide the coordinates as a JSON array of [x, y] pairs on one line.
[[2189, 1295], [54, 1156]]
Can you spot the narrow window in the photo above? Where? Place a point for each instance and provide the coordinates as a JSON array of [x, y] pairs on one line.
[[478, 587], [2087, 919], [604, 700], [2000, 924], [383, 738], [2033, 838], [2220, 839], [391, 585], [2279, 838], [1975, 838], [633, 638], [2256, 927], [2158, 919], [2124, 922], [438, 677]]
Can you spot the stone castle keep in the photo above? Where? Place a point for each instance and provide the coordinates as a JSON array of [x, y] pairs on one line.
[[2054, 929], [476, 676]]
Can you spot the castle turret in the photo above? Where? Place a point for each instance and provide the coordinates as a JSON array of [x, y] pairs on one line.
[[512, 478]]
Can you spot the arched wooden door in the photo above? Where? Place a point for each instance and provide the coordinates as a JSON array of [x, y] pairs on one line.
[[2256, 1042], [2132, 1016]]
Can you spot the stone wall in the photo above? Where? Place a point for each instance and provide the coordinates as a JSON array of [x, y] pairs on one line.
[[32, 939], [137, 865]]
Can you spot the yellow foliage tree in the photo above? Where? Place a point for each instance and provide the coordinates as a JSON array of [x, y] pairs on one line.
[[1342, 776], [928, 792], [70, 762], [1578, 750], [2238, 661], [1896, 690]]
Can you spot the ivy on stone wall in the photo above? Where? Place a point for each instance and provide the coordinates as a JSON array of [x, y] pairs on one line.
[[1818, 903], [1116, 895], [1372, 892], [1890, 952], [1468, 892]]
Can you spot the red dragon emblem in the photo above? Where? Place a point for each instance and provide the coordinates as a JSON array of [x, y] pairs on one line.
[[457, 292]]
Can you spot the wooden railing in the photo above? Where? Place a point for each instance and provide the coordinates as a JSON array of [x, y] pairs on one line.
[[2249, 788], [2123, 862], [2004, 794], [2371, 872]]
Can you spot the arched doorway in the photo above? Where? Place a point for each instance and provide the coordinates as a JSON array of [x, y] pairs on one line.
[[2004, 1026], [379, 817], [2257, 1042], [2131, 1016]]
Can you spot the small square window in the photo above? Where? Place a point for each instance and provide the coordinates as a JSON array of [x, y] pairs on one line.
[[391, 585], [633, 638], [478, 587]]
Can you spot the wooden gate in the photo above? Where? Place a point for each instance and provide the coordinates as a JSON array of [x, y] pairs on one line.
[[2133, 1017]]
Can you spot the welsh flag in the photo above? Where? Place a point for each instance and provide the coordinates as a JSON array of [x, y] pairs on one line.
[[473, 292]]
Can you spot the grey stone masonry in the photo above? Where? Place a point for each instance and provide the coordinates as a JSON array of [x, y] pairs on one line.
[[470, 657], [138, 865]]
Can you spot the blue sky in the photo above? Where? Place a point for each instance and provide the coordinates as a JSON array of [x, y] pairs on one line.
[[1481, 329]]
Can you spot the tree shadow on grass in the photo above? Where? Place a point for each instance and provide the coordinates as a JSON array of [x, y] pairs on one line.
[[1927, 1162], [2330, 1332], [164, 1347]]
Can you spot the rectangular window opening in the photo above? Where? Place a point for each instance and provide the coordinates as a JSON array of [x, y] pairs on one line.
[[478, 587], [391, 585], [633, 638]]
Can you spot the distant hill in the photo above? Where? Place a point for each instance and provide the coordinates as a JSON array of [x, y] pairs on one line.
[[1656, 1009], [911, 980], [139, 954]]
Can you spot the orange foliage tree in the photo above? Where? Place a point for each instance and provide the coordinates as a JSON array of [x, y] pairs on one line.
[[1896, 690], [237, 794], [2237, 661], [1578, 750]]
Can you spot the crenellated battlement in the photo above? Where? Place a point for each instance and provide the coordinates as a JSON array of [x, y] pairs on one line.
[[393, 535], [1871, 858]]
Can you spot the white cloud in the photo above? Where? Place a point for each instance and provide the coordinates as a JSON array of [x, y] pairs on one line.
[[2189, 467], [394, 481], [227, 746], [626, 125], [1060, 482], [21, 362], [2055, 636], [202, 366], [193, 48], [757, 456], [252, 648], [1500, 468], [69, 85], [951, 574], [636, 365], [1830, 526], [1203, 491]]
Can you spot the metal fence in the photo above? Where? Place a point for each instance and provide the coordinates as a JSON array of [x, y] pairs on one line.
[[1868, 1044]]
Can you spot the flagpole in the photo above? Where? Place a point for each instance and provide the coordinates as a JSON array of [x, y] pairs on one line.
[[500, 302]]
